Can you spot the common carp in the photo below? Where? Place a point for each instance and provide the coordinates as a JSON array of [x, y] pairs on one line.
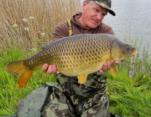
[[77, 55]]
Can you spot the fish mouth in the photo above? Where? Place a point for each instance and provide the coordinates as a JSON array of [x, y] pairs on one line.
[[134, 53]]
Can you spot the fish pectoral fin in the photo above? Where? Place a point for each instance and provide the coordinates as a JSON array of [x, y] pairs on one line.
[[113, 70], [82, 78], [24, 77]]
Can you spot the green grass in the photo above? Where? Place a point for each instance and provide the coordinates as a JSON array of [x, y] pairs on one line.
[[10, 95], [129, 96]]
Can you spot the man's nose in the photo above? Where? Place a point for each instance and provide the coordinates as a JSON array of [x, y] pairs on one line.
[[99, 17]]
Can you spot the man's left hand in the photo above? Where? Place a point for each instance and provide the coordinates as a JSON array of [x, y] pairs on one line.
[[106, 66]]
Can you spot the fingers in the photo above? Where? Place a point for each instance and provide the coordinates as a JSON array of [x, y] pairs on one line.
[[106, 66], [50, 68], [101, 71], [45, 67]]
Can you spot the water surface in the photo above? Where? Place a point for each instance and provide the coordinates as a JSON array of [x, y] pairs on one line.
[[132, 21]]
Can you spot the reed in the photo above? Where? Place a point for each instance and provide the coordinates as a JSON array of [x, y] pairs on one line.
[[29, 24]]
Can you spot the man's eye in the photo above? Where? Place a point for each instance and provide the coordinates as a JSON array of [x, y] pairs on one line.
[[96, 10]]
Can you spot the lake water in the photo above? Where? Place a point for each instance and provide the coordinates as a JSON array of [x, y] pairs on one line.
[[132, 21]]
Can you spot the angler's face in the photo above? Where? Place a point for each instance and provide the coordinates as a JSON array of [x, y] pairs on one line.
[[93, 14]]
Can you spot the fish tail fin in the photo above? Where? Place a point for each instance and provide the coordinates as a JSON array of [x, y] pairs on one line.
[[22, 70], [24, 77]]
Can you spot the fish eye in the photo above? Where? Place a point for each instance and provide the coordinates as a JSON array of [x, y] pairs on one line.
[[128, 48]]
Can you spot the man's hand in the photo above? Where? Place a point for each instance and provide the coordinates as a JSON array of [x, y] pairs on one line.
[[50, 68], [106, 66]]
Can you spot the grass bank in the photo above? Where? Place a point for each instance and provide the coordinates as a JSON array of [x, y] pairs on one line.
[[10, 95]]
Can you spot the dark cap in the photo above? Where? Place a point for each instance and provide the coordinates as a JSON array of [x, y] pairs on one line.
[[105, 4]]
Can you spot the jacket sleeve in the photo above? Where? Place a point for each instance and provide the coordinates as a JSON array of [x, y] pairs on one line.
[[107, 29], [61, 30], [110, 31]]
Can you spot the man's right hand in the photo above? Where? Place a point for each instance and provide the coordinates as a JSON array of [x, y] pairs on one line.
[[50, 68]]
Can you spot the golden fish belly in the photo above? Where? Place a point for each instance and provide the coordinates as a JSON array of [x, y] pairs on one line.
[[74, 65]]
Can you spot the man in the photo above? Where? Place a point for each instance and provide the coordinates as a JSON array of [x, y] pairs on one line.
[[68, 98]]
